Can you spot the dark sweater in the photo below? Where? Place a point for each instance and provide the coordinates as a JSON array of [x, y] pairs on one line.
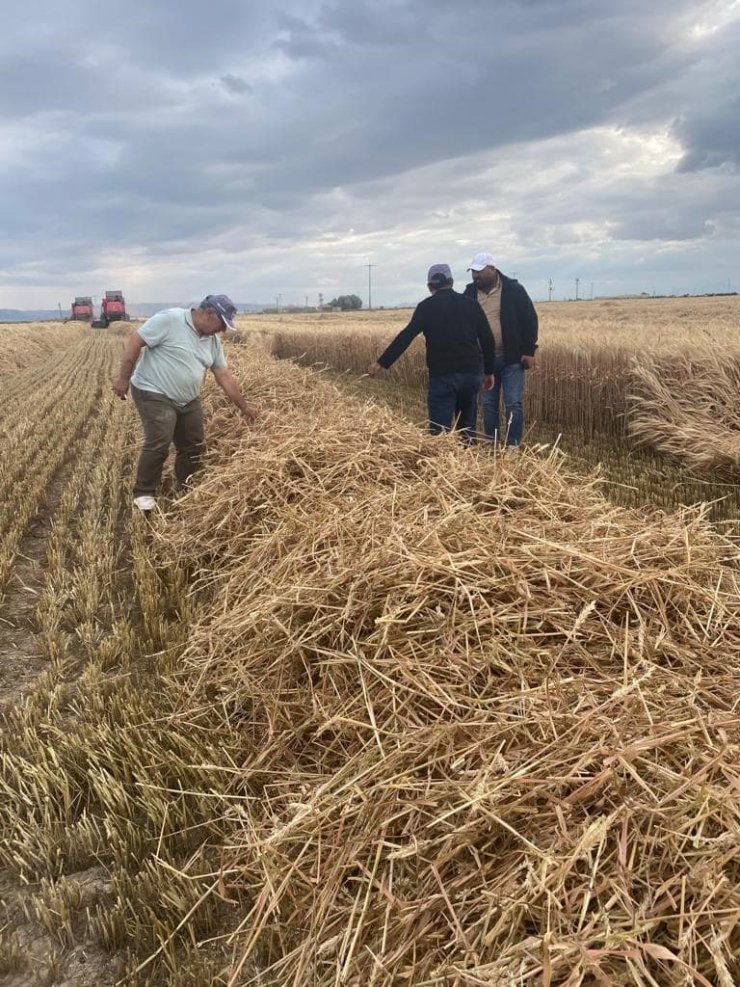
[[519, 322], [458, 337]]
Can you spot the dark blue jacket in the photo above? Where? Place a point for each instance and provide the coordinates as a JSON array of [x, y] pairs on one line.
[[519, 322], [458, 337]]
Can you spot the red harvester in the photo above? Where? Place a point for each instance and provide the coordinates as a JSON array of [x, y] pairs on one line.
[[82, 309], [113, 307]]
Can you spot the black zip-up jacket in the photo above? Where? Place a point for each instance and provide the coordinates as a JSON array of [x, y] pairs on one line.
[[458, 337], [519, 322]]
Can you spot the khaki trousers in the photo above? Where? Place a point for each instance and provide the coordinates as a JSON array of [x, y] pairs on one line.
[[164, 422]]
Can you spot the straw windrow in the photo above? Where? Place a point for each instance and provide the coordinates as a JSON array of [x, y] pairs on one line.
[[489, 720]]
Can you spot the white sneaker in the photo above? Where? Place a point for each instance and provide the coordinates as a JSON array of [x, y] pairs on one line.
[[145, 503]]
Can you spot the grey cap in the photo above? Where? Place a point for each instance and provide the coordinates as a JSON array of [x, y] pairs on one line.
[[439, 274], [225, 308]]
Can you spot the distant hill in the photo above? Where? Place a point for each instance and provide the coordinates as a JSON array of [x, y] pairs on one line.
[[29, 315], [139, 310], [145, 309]]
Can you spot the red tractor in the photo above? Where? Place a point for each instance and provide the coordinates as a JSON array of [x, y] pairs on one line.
[[82, 309], [113, 307]]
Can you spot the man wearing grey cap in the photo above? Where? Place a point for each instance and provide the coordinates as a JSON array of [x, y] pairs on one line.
[[174, 349], [459, 350], [513, 321]]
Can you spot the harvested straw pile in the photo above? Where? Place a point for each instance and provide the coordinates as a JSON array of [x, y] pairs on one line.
[[122, 328], [688, 408], [29, 343], [489, 721]]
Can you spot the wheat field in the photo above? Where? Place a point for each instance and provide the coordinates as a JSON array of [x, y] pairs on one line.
[[366, 707], [594, 392]]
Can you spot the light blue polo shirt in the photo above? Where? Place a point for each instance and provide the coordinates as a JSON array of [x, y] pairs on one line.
[[175, 357]]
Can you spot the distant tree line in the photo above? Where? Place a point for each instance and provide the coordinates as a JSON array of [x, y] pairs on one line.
[[347, 303]]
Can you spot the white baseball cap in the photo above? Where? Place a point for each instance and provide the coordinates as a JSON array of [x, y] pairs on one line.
[[482, 260]]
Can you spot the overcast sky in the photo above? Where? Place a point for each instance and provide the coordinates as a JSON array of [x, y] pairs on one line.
[[173, 148]]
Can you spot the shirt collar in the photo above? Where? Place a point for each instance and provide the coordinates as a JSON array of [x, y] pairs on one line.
[[189, 322]]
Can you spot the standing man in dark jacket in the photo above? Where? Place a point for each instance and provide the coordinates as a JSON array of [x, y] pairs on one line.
[[460, 353], [513, 321]]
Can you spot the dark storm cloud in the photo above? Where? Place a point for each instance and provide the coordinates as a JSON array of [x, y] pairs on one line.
[[175, 127], [235, 84], [421, 81], [707, 122], [712, 140]]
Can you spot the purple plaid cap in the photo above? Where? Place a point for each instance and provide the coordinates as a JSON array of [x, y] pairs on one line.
[[225, 308]]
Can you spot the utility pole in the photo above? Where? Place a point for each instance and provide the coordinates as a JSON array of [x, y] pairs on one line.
[[321, 301], [577, 283], [369, 286], [59, 306], [549, 289]]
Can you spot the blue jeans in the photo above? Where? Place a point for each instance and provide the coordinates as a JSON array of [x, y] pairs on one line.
[[452, 401], [509, 378]]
